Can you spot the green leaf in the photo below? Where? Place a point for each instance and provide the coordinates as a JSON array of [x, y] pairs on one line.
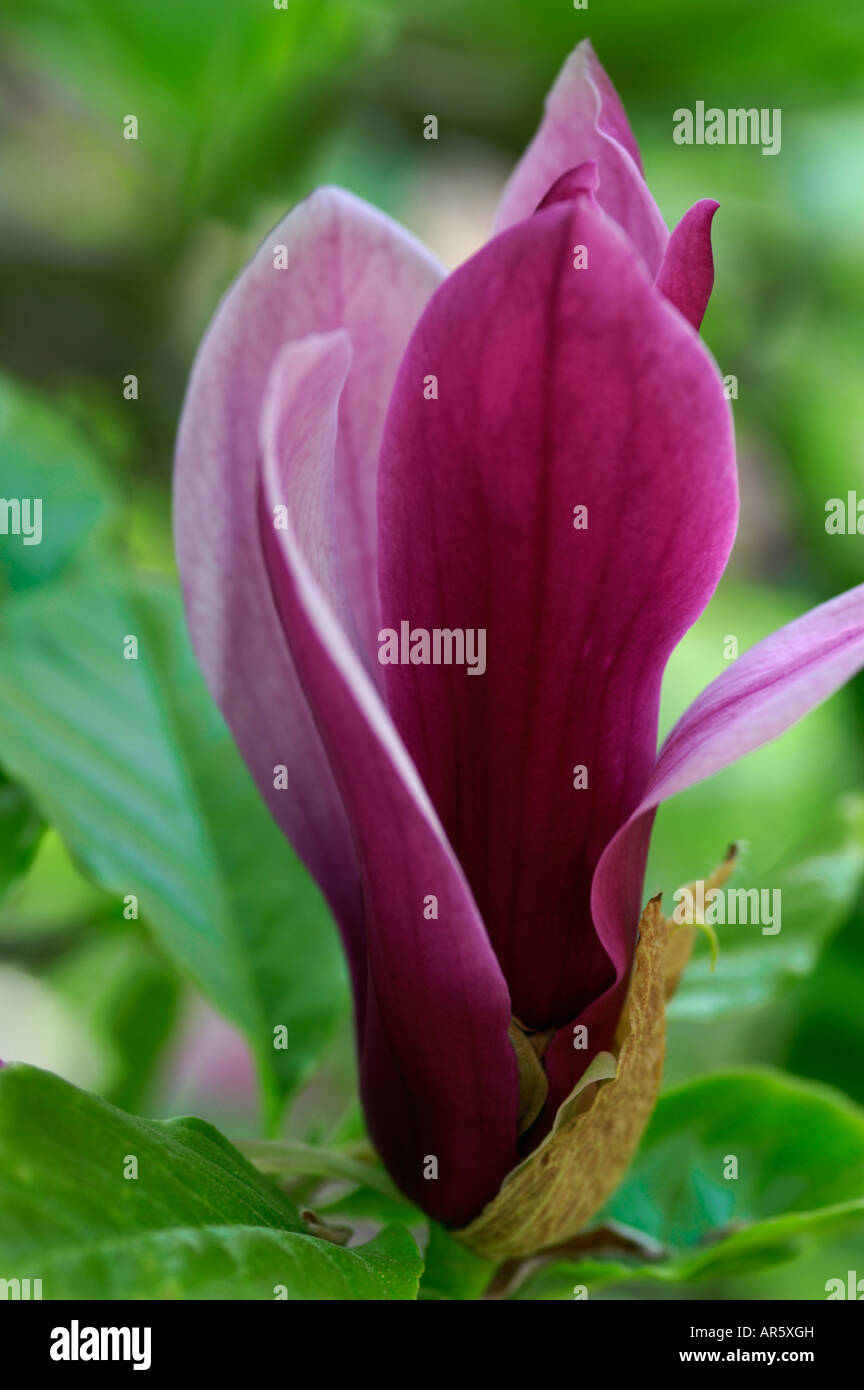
[[129, 994], [290, 1158], [197, 1222], [816, 887], [452, 1270], [799, 1146], [53, 895], [800, 1163], [218, 102], [828, 1039], [130, 760], [237, 1263], [342, 1187], [20, 832], [44, 457], [368, 1204], [62, 1159], [287, 939]]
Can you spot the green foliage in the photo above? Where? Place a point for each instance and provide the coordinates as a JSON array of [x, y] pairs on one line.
[[118, 777], [828, 1037], [818, 890], [800, 1179], [20, 830], [129, 995], [195, 1221], [452, 1270], [45, 457], [221, 93], [130, 760], [286, 1158]]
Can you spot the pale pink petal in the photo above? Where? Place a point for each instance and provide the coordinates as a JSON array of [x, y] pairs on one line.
[[346, 266], [584, 120]]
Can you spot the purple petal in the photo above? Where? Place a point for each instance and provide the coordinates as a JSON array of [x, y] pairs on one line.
[[557, 388], [686, 276], [584, 120], [438, 1073], [582, 179], [761, 695], [347, 266]]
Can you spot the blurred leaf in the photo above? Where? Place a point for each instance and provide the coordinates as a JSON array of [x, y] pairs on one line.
[[452, 1270], [226, 95], [286, 932], [63, 1156], [20, 832], [129, 996], [367, 1204], [132, 763], [773, 799], [53, 896], [815, 409], [44, 457], [761, 1246], [799, 1147], [488, 65], [234, 1263], [800, 1155], [196, 1222], [816, 891], [290, 1158], [828, 1040], [828, 1257]]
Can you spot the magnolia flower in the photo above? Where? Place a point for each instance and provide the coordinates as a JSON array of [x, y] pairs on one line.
[[377, 461]]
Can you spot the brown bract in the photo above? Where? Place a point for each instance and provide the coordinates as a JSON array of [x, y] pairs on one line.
[[549, 1197]]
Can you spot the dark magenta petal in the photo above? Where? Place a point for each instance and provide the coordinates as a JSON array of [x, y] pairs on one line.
[[686, 276], [584, 120], [437, 1070], [557, 389]]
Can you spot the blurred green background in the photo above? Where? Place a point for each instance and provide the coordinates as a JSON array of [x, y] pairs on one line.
[[113, 255]]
